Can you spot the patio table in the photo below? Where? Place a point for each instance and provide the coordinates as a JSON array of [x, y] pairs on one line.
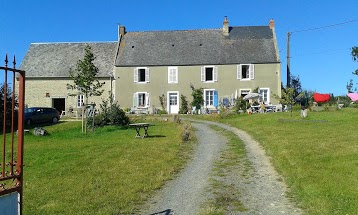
[[138, 126]]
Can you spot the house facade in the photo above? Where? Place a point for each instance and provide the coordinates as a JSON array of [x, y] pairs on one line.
[[47, 68], [225, 62], [142, 66]]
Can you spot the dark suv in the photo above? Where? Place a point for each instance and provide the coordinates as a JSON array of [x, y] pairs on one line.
[[41, 115]]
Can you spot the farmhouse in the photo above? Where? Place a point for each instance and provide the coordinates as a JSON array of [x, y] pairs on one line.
[[142, 66]]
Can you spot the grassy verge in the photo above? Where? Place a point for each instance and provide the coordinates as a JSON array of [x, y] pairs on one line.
[[317, 156], [232, 164], [105, 172]]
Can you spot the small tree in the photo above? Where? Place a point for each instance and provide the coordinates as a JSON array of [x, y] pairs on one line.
[[84, 78], [240, 104], [184, 105], [198, 97], [162, 101], [296, 85]]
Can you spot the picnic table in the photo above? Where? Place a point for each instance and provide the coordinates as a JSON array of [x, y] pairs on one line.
[[138, 126]]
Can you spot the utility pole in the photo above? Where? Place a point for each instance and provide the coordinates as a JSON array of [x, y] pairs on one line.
[[288, 60]]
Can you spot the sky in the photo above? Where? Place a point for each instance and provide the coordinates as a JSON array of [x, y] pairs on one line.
[[321, 58]]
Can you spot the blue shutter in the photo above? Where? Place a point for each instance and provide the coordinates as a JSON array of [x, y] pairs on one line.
[[216, 98]]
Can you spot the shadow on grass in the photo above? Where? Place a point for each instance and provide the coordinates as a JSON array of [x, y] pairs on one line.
[[155, 136], [302, 120]]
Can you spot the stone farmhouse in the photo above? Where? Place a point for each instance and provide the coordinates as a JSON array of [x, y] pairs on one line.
[[142, 66]]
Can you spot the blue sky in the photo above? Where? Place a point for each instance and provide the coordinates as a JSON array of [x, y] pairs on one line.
[[321, 58]]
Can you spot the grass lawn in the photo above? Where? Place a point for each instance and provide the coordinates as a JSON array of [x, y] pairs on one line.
[[105, 172], [317, 156]]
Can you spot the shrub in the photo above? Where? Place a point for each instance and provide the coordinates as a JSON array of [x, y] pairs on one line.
[[162, 111], [186, 133], [240, 104], [184, 107], [110, 114]]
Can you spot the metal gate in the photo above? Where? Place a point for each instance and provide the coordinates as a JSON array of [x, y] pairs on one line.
[[12, 114]]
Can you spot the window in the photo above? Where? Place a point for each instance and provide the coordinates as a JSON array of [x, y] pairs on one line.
[[80, 100], [172, 74], [209, 74], [173, 98], [265, 92], [141, 75], [141, 99], [243, 93], [245, 71], [210, 98]]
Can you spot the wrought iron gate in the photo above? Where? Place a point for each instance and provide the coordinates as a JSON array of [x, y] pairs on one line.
[[11, 163]]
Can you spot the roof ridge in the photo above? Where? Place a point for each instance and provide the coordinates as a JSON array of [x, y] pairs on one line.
[[203, 29], [42, 43]]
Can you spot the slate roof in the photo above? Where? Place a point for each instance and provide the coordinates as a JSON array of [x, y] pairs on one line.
[[248, 44], [55, 59]]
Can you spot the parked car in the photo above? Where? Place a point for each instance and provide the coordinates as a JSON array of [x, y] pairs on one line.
[[41, 115]]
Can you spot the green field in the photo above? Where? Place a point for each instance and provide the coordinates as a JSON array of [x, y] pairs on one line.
[[110, 172], [317, 156], [105, 172]]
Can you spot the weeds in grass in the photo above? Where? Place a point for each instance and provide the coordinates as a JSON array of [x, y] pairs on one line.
[[225, 196]]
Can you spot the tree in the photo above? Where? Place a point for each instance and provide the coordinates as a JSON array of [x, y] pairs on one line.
[[84, 77], [296, 85], [8, 105], [354, 53]]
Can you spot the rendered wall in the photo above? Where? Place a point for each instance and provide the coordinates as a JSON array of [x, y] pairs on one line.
[[266, 76]]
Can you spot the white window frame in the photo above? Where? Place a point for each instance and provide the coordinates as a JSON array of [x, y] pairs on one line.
[[137, 75], [172, 74], [80, 99], [267, 98], [136, 99], [251, 72], [205, 100], [203, 74], [240, 91]]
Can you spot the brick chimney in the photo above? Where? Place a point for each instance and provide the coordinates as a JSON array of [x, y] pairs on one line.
[[272, 24], [226, 27]]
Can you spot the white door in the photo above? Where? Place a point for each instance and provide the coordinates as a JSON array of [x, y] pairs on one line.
[[173, 102]]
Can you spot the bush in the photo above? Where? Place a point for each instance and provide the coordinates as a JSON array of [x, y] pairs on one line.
[[184, 107], [240, 104], [162, 111], [110, 114]]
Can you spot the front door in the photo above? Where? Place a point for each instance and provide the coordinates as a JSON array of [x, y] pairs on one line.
[[173, 102]]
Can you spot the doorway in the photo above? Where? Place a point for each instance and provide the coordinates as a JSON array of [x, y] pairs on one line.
[[59, 104], [173, 102]]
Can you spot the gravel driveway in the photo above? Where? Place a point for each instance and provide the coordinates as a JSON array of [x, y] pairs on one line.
[[262, 193]]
